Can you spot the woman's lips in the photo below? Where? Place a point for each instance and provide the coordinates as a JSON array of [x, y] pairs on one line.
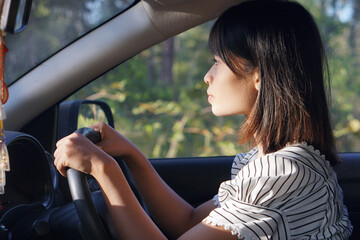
[[210, 98]]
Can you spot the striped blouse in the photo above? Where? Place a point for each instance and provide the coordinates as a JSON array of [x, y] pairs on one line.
[[290, 194]]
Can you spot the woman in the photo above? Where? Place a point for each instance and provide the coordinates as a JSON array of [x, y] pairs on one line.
[[269, 65]]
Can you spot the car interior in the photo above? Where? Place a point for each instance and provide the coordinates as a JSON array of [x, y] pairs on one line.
[[38, 202]]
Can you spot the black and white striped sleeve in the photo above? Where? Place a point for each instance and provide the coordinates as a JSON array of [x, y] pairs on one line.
[[245, 201], [239, 162]]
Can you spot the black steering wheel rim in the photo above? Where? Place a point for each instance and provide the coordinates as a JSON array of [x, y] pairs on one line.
[[91, 224]]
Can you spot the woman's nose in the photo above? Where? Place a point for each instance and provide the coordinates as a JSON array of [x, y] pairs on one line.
[[207, 78]]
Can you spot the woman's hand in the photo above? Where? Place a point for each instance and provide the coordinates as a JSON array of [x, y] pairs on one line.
[[77, 152], [113, 143]]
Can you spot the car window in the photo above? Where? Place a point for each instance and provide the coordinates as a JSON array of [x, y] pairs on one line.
[[159, 101], [53, 25]]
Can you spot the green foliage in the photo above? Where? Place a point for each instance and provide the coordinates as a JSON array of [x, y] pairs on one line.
[[176, 120]]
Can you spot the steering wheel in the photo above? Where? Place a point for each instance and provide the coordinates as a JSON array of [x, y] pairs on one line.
[[80, 194], [89, 219]]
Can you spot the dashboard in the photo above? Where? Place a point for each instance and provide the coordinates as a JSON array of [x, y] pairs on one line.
[[31, 178]]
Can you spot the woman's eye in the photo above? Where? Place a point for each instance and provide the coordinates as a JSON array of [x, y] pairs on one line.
[[215, 61]]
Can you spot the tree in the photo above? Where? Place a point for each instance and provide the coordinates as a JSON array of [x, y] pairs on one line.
[[167, 61]]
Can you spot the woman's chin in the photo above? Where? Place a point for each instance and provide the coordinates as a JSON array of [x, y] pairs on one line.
[[222, 113]]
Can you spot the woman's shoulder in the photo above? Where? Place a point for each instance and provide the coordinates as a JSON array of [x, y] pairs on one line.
[[296, 157], [302, 155], [303, 149]]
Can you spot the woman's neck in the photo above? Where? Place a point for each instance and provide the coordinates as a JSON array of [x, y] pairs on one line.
[[260, 150], [259, 146]]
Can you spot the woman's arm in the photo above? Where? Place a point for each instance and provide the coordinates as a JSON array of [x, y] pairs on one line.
[[171, 213], [132, 222], [129, 217]]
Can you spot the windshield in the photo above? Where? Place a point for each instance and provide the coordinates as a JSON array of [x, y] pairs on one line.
[[53, 25]]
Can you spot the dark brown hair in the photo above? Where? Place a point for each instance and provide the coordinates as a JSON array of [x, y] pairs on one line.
[[282, 41]]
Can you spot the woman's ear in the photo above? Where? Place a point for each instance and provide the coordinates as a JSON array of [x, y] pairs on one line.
[[256, 78]]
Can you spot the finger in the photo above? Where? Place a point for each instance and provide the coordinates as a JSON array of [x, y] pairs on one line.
[[60, 166], [61, 156], [62, 171], [60, 145], [57, 153], [64, 139], [56, 156], [99, 127]]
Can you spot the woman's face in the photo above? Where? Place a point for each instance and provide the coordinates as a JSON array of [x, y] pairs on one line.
[[229, 95]]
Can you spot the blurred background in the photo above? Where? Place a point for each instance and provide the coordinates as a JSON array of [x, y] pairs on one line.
[[158, 98]]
